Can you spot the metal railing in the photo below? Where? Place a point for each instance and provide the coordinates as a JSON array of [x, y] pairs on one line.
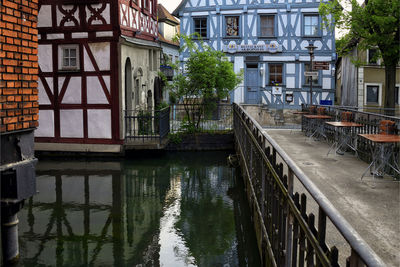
[[287, 234], [218, 118], [147, 125]]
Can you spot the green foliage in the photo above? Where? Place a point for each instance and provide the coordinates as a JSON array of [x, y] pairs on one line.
[[208, 77], [162, 105], [175, 138], [374, 24], [144, 122]]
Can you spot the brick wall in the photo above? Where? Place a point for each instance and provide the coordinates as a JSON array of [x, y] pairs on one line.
[[19, 107]]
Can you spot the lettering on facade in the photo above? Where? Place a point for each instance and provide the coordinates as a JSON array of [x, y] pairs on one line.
[[272, 47]]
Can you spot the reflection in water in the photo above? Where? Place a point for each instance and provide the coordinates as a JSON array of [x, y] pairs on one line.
[[184, 209]]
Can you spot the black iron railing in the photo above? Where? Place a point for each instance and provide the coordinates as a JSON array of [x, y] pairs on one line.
[[219, 118], [146, 125], [288, 234]]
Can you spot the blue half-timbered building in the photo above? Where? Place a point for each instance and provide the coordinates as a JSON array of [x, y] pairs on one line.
[[268, 40]]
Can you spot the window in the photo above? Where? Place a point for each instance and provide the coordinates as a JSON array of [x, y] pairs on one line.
[[396, 95], [200, 26], [373, 56], [267, 26], [372, 94], [275, 74], [311, 25], [145, 4], [307, 79], [69, 57], [232, 26]]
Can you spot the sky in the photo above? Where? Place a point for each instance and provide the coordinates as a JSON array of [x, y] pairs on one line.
[[170, 5]]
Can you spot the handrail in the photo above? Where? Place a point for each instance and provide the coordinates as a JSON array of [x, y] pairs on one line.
[[364, 251]]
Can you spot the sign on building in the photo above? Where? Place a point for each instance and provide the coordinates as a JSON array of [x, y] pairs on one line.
[[319, 65]]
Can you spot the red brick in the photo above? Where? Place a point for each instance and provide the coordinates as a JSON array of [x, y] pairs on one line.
[[10, 4], [9, 105], [10, 120], [8, 76], [11, 127]]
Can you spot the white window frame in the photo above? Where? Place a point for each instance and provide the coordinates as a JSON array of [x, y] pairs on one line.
[[378, 60], [398, 95], [379, 94], [61, 49], [303, 25]]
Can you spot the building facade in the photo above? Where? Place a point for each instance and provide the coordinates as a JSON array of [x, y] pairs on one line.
[[97, 59], [168, 28], [363, 86], [267, 39]]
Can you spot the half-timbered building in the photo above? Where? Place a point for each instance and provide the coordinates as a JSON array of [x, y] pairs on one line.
[[267, 39], [97, 58]]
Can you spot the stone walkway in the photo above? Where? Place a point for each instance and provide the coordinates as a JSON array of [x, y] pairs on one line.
[[371, 206]]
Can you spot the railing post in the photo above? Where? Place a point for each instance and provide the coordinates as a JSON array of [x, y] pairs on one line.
[[289, 221]]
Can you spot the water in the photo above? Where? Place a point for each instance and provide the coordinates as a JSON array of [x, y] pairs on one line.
[[180, 209]]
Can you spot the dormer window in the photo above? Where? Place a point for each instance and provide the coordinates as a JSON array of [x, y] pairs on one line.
[[373, 56]]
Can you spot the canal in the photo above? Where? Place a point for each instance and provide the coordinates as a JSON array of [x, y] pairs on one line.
[[178, 209]]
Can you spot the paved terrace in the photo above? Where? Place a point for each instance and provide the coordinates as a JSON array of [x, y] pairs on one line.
[[371, 206]]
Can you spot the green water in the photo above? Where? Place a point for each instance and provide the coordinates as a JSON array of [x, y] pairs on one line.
[[178, 209]]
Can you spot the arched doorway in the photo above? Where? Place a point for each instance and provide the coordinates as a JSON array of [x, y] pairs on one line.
[[128, 85]]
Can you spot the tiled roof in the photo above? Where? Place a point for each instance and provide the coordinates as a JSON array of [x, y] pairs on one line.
[[164, 15], [163, 40]]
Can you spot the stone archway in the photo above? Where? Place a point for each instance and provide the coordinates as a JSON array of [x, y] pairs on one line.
[[128, 85]]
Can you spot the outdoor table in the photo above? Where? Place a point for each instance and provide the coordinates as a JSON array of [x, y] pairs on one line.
[[344, 135], [315, 125], [381, 146]]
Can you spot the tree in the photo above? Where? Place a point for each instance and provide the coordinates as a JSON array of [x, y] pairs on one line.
[[376, 23], [208, 77]]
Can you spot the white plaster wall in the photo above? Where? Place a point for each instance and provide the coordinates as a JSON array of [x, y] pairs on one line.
[[99, 123], [169, 31], [43, 97], [60, 15], [101, 53], [71, 123], [46, 124], [95, 92], [44, 16], [290, 82], [290, 68], [238, 93], [45, 55], [73, 93], [105, 14]]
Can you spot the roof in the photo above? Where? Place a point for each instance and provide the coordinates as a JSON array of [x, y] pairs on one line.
[[176, 11], [163, 40], [164, 15]]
